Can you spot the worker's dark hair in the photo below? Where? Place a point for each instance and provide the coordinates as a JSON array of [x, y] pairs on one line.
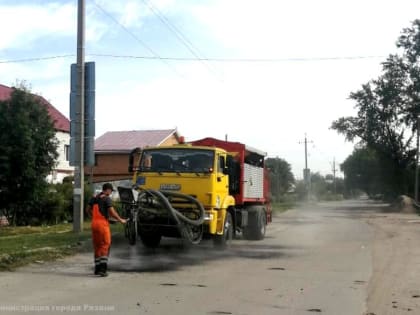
[[107, 186]]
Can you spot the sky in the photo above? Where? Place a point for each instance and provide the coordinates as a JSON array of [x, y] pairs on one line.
[[275, 70]]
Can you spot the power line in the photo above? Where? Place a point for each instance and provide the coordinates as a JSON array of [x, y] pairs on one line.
[[127, 30], [245, 60], [179, 34], [173, 28], [234, 60], [36, 59], [154, 53]]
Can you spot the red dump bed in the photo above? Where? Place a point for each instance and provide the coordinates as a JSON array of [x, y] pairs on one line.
[[255, 185]]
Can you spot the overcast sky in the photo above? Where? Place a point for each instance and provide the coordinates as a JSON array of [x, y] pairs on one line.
[[279, 68]]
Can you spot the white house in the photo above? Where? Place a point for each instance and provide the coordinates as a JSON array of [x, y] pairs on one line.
[[62, 168]]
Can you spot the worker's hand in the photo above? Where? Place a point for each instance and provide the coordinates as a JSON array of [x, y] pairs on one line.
[[123, 221]]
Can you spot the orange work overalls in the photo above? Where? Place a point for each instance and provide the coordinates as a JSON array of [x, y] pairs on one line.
[[101, 237]]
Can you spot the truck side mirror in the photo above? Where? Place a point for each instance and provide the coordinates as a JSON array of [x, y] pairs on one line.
[[133, 152]]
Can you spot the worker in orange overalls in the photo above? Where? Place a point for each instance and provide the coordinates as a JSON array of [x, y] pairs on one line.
[[100, 209]]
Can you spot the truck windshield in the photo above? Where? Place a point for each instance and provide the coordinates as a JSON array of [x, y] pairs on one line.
[[177, 160]]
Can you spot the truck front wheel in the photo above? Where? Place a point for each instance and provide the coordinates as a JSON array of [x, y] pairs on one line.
[[222, 241]]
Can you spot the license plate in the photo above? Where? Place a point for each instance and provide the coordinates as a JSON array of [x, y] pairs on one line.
[[170, 187]]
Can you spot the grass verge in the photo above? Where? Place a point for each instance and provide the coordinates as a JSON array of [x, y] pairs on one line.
[[23, 245], [280, 207]]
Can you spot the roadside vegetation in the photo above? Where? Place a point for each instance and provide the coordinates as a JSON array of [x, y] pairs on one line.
[[28, 152], [279, 207], [26, 244], [385, 126], [282, 182]]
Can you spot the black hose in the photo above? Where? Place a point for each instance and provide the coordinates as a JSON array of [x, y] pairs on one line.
[[181, 220]]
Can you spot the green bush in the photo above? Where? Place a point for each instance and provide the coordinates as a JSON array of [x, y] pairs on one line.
[[58, 203]]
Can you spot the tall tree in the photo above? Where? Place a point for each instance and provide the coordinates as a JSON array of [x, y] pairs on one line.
[[388, 106], [363, 171], [281, 176], [28, 151]]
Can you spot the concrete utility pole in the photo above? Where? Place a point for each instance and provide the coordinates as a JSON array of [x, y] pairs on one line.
[[334, 170], [416, 183], [78, 192], [306, 171]]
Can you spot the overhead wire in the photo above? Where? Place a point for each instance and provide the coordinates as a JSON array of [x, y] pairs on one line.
[[36, 59], [135, 37], [244, 60], [227, 60], [180, 36]]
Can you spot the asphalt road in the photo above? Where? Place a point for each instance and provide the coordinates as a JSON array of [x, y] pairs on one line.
[[317, 259]]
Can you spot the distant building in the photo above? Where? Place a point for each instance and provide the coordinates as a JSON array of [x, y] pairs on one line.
[[62, 129], [113, 149]]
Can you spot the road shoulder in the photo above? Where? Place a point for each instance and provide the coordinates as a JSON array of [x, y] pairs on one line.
[[394, 288]]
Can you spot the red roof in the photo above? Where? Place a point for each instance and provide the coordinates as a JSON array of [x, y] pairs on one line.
[[61, 122], [128, 140]]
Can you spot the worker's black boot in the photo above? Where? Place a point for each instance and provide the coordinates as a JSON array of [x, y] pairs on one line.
[[97, 266], [103, 270]]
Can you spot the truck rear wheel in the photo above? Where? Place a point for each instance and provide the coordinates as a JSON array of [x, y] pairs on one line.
[[257, 222], [222, 241], [150, 239]]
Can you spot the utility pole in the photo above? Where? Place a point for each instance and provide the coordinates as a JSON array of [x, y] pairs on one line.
[[78, 192], [416, 183], [306, 171], [334, 170]]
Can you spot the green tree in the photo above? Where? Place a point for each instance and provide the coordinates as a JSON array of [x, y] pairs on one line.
[[364, 170], [386, 121], [28, 150], [281, 177]]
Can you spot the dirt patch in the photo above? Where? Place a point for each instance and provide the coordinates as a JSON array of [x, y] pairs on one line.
[[403, 204], [396, 257]]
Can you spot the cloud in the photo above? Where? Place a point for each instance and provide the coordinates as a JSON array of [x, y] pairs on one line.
[[131, 13], [27, 23], [128, 13], [302, 28]]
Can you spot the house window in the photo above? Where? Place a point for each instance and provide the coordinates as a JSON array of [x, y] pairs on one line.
[[67, 152]]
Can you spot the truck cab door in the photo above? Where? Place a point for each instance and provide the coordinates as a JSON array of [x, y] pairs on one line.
[[222, 179]]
